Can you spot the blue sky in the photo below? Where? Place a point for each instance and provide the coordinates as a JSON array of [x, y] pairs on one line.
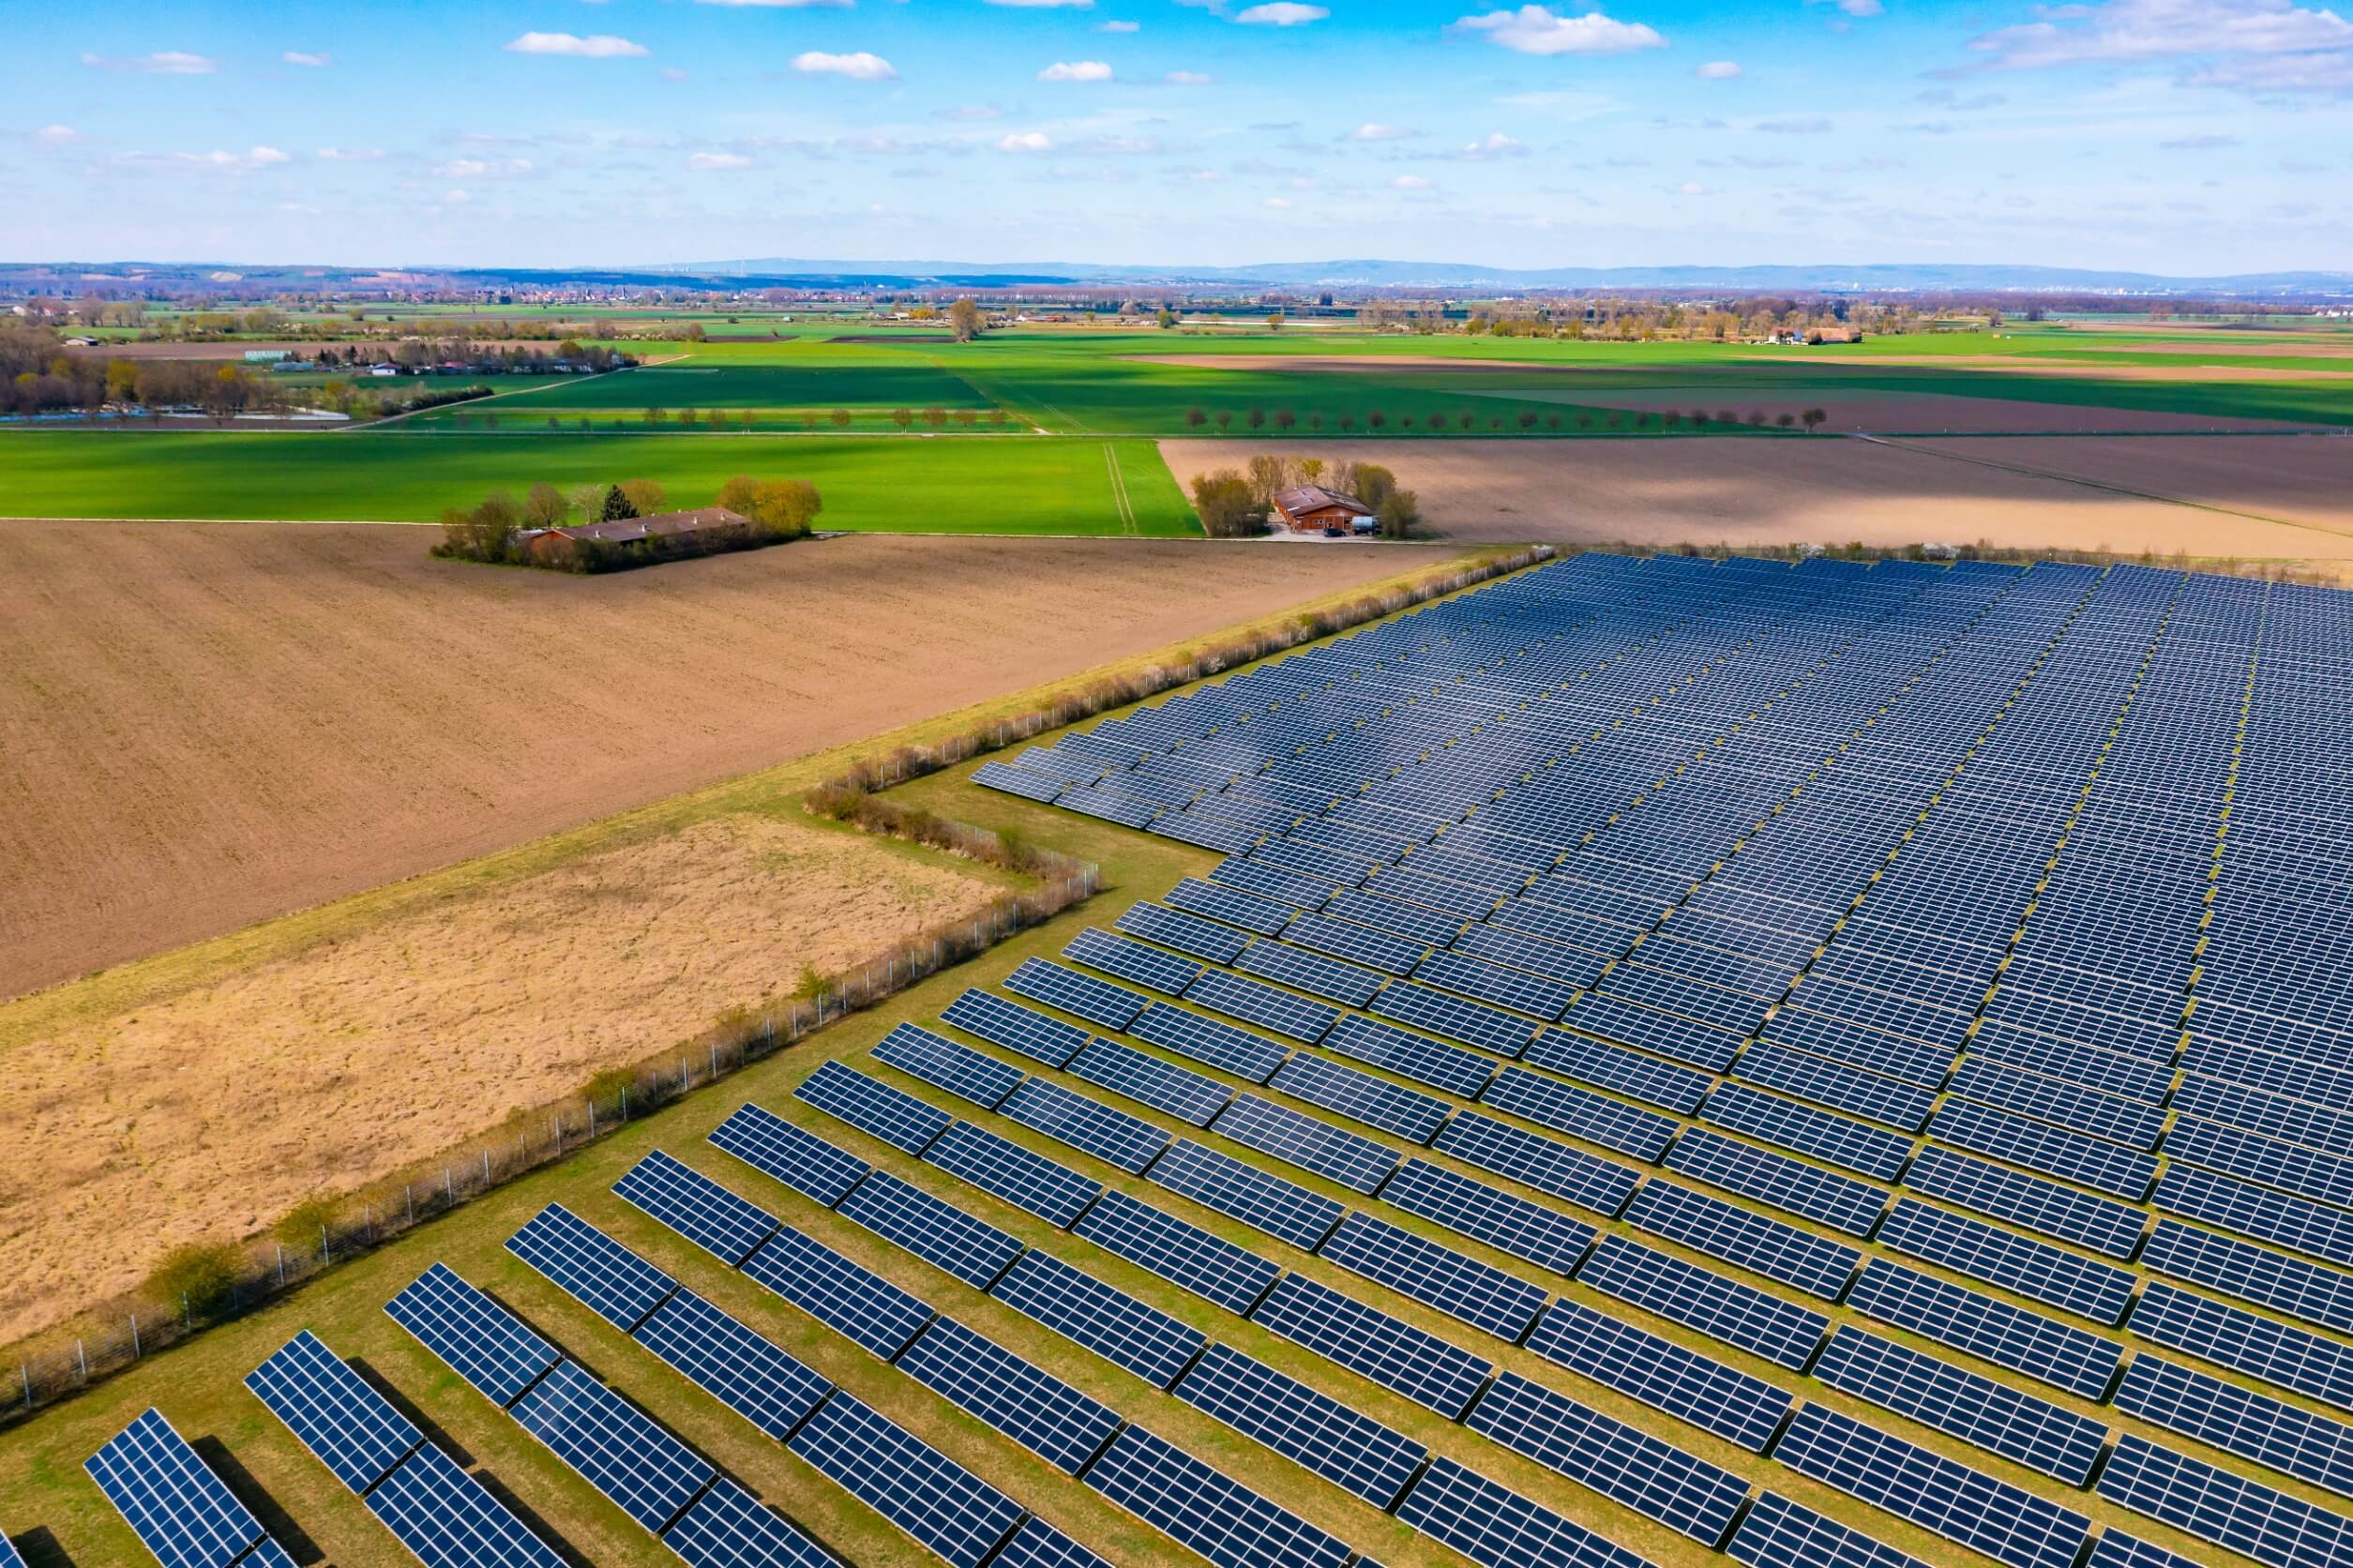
[[2164, 135]]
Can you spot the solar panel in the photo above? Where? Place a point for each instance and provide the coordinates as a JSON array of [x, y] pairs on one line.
[[740, 1368], [1018, 781], [2116, 1549], [1221, 1519], [1259, 1199], [449, 1519], [1481, 981], [1302, 971], [1778, 1534], [801, 1160], [1380, 1348], [1620, 1071], [697, 1207], [173, 1502], [2228, 1510], [602, 1274], [353, 1430], [1502, 1220], [1360, 1096], [873, 1107], [2003, 1521], [1278, 1012], [2069, 1157], [1179, 1251], [1212, 1041], [1496, 1528], [2285, 1285], [2032, 1202], [1189, 1096], [1108, 1321], [2281, 1355], [1039, 1545], [1037, 1410], [846, 1297], [2239, 1421], [933, 1228], [1108, 1134], [2018, 1427], [1782, 1332], [1353, 1161], [2035, 1270], [1452, 1069], [1840, 1203], [1472, 1023], [1580, 1113], [966, 1073], [1082, 996], [480, 1340], [2042, 1348], [1478, 1294], [1147, 967], [1777, 1250], [1186, 933], [1015, 1027], [1353, 1452], [1655, 1479], [1265, 916], [907, 1481], [1662, 1374], [1833, 1139], [729, 1527], [614, 1446], [1902, 1106], [1002, 1168], [1545, 1164]]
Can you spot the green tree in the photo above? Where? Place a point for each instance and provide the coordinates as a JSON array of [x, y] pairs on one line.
[[1165, 318], [198, 1277], [1224, 502], [617, 507], [902, 417], [1399, 514]]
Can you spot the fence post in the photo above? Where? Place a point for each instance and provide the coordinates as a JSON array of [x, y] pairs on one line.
[[625, 1102], [25, 1373], [326, 1253], [715, 1060], [408, 1197], [485, 1168], [448, 1190], [134, 1336], [187, 1317], [281, 1268]]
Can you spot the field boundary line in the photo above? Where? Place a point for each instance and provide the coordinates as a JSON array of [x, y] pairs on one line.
[[1119, 493], [516, 392]]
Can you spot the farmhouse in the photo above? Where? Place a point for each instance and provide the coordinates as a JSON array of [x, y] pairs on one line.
[[1311, 509], [625, 533]]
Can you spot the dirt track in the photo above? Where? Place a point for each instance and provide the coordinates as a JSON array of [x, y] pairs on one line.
[[207, 724]]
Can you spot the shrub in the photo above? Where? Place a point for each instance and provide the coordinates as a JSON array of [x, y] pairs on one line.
[[200, 1274], [810, 986], [307, 1221], [610, 1084]]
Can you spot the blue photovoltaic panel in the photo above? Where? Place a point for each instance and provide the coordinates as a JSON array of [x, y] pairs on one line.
[[2281, 1355], [1472, 1023], [1545, 1164], [2036, 1270], [1186, 933], [1302, 971], [2216, 1505], [1131, 961], [933, 1228], [801, 1160], [1778, 1534], [1620, 1071], [1108, 1134], [1037, 1410], [353, 1430], [2053, 1152], [1108, 1321], [1351, 1451], [873, 1107], [2116, 1549], [1840, 1203], [2018, 1427], [1478, 1294], [2042, 1348], [449, 1519], [1039, 1545], [2286, 1221], [176, 1506], [1082, 996], [1456, 1069], [1655, 1479], [602, 1274], [1582, 1113], [1278, 1012], [2032, 1202], [846, 1297], [1481, 981], [1265, 916], [729, 1527], [1178, 1251], [1189, 1096], [1259, 1198], [1815, 1264], [740, 1368], [1220, 1518], [1662, 1374], [1496, 1528], [480, 1340], [1903, 1106], [695, 1206], [1215, 1042], [1782, 1332], [1502, 1220], [1838, 1141], [1015, 1027], [2289, 1286], [966, 1073], [614, 1445], [1360, 1096], [2003, 1521], [1054, 1193], [1415, 924], [907, 1481], [2238, 1421], [1018, 782], [1374, 1346], [1353, 1161]]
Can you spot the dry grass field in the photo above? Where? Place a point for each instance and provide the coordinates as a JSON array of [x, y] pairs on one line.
[[213, 1110], [2276, 498], [209, 724]]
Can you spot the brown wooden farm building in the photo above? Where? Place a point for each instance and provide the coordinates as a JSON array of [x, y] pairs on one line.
[[1311, 509]]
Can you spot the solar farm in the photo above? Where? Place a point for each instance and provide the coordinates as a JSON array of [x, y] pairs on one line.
[[1654, 1060]]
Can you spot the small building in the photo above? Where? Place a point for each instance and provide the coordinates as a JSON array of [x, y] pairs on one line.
[[266, 357], [384, 369], [1311, 509], [555, 544]]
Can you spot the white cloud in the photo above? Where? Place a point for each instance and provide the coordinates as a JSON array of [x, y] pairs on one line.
[[56, 136], [1691, 187], [707, 163], [1282, 13], [456, 197], [1718, 70], [775, 4], [1025, 142], [350, 155], [1188, 79], [2250, 43], [1046, 4], [860, 67], [483, 168], [1374, 131], [1279, 204], [1813, 124], [671, 73], [596, 46], [296, 57], [1494, 145], [170, 62], [1538, 30], [1118, 26], [1408, 182], [1076, 71], [229, 163], [2198, 143]]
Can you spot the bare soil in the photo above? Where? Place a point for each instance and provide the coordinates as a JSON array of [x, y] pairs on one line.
[[2056, 493], [1879, 411], [212, 1113], [206, 723]]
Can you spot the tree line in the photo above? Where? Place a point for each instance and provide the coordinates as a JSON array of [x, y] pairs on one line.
[[501, 529], [1237, 502], [1526, 421]]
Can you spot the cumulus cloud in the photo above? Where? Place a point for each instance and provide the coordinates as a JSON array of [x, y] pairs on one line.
[[296, 57], [1408, 182], [1282, 13], [350, 155], [56, 136], [2259, 44], [483, 168], [1718, 70], [227, 162], [707, 162], [1374, 131], [169, 62], [1188, 79], [1076, 71], [1025, 142], [1493, 145], [860, 67], [1691, 187], [1539, 30], [596, 46], [1813, 124], [1118, 26]]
